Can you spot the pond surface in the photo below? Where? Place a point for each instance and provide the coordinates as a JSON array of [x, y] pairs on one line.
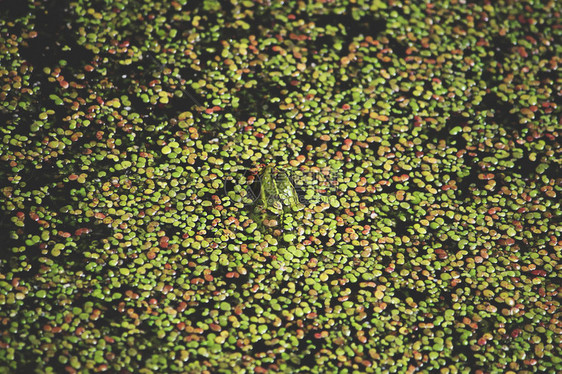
[[412, 207]]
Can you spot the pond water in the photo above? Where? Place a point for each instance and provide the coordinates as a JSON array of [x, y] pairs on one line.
[[422, 140]]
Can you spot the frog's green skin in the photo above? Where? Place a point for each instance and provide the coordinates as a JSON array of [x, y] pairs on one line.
[[277, 193]]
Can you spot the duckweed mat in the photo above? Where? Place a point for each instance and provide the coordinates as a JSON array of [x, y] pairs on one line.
[[153, 155]]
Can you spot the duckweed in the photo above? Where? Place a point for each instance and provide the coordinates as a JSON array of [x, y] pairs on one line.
[[422, 140]]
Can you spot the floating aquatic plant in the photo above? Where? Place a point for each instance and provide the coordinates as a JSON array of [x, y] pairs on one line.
[[422, 140]]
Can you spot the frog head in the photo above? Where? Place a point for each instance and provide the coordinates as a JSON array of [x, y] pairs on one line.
[[277, 192]]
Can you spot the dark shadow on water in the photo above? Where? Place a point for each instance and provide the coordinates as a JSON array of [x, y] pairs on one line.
[[13, 9], [54, 41], [366, 25]]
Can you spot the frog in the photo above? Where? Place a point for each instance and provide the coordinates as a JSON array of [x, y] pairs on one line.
[[277, 193]]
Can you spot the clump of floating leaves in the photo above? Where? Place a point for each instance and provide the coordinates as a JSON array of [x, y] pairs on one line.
[[421, 139]]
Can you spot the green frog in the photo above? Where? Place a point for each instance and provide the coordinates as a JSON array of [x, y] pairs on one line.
[[277, 192]]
